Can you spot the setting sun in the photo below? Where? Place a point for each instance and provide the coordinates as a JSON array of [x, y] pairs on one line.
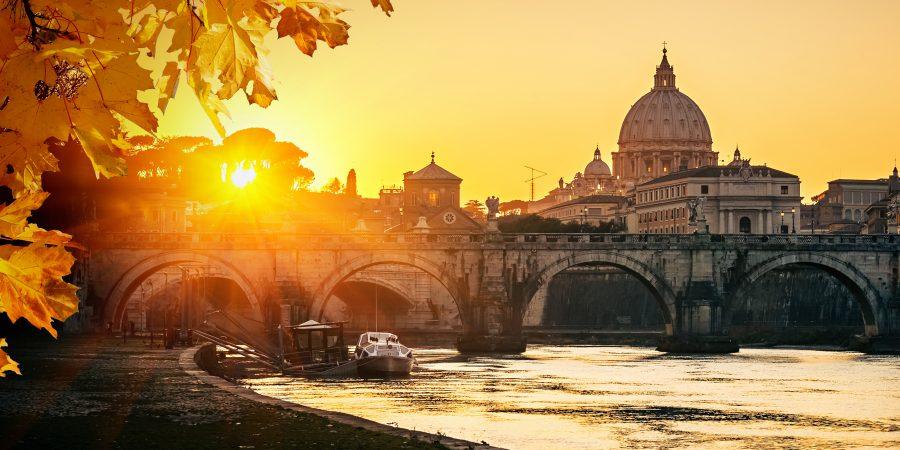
[[242, 176]]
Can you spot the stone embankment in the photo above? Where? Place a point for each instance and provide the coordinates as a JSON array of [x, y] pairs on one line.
[[97, 392]]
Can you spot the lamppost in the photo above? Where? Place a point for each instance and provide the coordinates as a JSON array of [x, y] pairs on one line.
[[793, 221], [813, 220], [584, 213], [781, 230]]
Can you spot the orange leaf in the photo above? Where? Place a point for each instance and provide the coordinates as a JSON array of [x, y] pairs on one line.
[[31, 285], [6, 363]]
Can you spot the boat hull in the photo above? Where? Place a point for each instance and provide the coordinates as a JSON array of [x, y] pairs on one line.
[[384, 366]]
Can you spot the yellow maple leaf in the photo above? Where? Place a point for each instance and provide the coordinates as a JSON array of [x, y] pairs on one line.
[[6, 363], [385, 6], [308, 23], [31, 285], [167, 84], [27, 162], [13, 217]]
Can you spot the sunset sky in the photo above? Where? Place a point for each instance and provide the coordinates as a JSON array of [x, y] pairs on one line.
[[812, 88]]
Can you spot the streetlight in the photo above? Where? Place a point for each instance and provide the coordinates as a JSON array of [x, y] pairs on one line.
[[584, 213], [781, 230], [793, 221]]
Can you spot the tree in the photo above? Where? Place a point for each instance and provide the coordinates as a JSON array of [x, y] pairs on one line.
[[333, 187], [71, 72], [475, 210], [513, 207], [533, 223]]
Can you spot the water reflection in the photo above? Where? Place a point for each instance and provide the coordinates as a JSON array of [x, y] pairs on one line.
[[590, 397]]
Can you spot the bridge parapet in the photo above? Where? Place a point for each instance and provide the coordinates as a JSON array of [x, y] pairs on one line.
[[476, 240]]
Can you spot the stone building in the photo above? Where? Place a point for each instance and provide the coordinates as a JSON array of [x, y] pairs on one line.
[[431, 202], [596, 179], [663, 132], [591, 210], [882, 216], [740, 198], [842, 207]]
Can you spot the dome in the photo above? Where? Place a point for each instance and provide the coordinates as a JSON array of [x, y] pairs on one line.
[[665, 118], [597, 168]]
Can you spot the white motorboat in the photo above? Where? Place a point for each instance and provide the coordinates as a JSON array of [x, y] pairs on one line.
[[382, 354]]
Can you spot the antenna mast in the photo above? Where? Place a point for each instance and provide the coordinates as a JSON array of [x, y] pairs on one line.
[[531, 180]]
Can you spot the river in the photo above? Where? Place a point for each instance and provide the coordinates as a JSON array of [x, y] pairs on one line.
[[629, 397]]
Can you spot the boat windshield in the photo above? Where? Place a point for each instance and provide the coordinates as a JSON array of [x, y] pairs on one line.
[[377, 338]]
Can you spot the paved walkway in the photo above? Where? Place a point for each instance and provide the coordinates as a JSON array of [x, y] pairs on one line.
[[83, 392]]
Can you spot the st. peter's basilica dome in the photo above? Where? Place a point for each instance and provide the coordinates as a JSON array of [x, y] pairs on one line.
[[665, 118]]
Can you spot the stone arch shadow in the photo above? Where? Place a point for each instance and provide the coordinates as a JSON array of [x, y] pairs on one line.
[[860, 286], [660, 289], [131, 279], [392, 285], [345, 270]]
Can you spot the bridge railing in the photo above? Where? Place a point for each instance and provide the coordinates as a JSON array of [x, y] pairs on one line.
[[175, 240]]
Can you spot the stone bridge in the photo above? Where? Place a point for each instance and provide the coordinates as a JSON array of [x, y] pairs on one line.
[[493, 277]]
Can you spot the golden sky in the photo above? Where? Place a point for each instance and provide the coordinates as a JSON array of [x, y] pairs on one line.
[[809, 87]]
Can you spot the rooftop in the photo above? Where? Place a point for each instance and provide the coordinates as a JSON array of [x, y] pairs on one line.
[[590, 199], [433, 172], [719, 171]]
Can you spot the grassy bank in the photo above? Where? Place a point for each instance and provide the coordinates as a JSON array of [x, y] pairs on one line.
[[98, 392]]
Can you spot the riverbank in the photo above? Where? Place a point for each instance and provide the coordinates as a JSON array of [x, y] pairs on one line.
[[86, 391]]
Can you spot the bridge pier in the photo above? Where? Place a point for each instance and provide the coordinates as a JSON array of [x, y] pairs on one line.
[[698, 316], [496, 314]]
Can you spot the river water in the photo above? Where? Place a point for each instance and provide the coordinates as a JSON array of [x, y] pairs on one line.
[[630, 397]]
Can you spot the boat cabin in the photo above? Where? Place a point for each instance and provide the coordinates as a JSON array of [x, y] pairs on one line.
[[313, 342], [369, 338]]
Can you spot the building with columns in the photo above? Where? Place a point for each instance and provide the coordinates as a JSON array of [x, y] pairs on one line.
[[663, 132], [740, 198]]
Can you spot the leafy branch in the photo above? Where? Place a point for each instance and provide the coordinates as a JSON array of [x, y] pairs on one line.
[[69, 73]]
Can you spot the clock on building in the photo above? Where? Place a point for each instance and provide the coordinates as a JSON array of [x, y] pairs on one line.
[[449, 218]]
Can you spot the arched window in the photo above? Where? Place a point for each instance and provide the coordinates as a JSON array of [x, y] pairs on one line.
[[848, 215], [744, 225], [857, 215], [432, 198]]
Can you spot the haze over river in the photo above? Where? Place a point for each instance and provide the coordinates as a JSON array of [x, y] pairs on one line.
[[590, 397]]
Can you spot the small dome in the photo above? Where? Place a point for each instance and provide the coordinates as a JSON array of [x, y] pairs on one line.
[[597, 168]]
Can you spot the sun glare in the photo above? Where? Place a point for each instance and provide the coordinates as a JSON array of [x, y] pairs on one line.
[[242, 176]]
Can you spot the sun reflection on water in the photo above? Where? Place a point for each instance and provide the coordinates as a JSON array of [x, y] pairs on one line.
[[590, 397]]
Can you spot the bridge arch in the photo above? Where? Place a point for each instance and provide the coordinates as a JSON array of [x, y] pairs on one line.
[[391, 285], [660, 289], [857, 282], [346, 270], [131, 279]]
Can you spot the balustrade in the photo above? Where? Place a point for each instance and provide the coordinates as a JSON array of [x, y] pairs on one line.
[[251, 240]]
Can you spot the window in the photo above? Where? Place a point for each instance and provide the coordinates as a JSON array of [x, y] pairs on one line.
[[744, 225], [848, 215], [784, 190], [704, 189], [432, 198], [857, 215]]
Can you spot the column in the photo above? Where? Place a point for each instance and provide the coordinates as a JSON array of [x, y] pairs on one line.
[[720, 227], [731, 221], [759, 223]]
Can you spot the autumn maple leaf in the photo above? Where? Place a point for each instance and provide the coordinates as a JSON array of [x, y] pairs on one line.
[[73, 71], [6, 363]]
